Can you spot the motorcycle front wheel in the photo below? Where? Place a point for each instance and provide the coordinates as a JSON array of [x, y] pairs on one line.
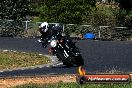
[[70, 61], [79, 60], [65, 61]]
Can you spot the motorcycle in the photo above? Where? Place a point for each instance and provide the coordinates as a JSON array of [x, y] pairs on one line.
[[66, 51]]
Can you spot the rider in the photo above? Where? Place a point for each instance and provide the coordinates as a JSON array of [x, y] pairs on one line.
[[48, 30]]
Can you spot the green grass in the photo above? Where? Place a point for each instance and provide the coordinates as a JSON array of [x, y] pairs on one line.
[[75, 85], [10, 60]]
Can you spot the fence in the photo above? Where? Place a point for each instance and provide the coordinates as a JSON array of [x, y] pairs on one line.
[[101, 32], [16, 28]]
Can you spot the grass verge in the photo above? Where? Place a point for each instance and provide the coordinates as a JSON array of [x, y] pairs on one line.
[[11, 60], [75, 85]]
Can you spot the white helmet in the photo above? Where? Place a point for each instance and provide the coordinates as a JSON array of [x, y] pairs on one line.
[[44, 26]]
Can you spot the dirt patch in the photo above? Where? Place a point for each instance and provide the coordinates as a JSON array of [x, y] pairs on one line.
[[14, 81]]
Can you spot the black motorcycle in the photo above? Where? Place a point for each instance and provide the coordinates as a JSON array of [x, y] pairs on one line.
[[66, 51]]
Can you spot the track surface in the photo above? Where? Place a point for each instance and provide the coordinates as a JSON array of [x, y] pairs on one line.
[[99, 56]]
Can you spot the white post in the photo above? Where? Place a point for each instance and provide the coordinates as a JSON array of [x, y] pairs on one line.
[[99, 32], [63, 30], [26, 25]]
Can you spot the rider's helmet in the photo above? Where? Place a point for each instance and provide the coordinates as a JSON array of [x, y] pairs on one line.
[[44, 26]]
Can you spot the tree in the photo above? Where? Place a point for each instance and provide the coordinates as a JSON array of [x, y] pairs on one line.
[[66, 11], [125, 4], [14, 9]]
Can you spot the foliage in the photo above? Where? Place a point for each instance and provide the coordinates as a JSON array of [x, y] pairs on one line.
[[14, 9], [12, 28], [71, 29], [106, 15], [125, 5], [65, 11], [71, 12]]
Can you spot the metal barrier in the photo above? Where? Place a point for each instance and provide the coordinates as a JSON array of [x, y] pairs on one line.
[[10, 27]]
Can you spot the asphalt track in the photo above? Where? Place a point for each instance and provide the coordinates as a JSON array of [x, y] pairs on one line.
[[99, 56]]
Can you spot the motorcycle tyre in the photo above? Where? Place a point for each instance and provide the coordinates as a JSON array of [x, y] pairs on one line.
[[79, 60]]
